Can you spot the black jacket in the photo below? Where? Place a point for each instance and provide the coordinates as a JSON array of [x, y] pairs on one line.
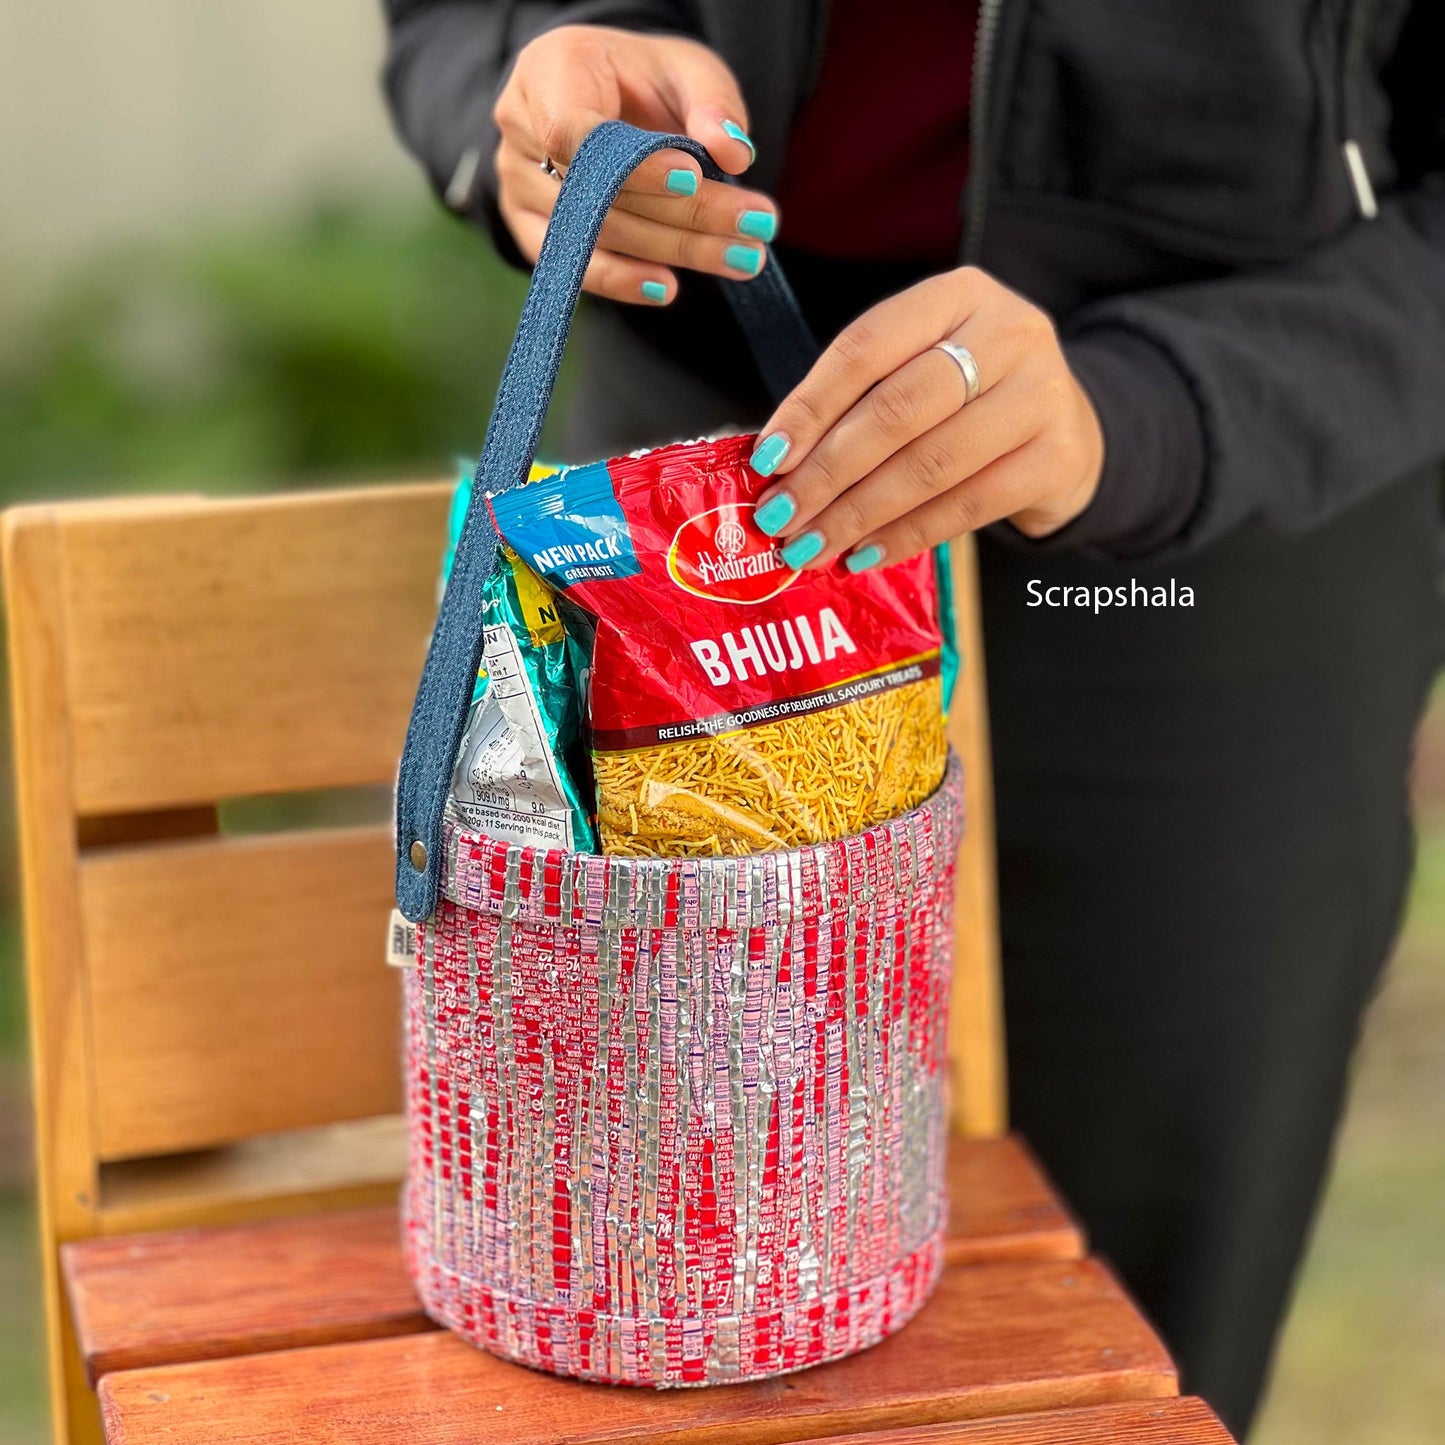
[[1169, 179]]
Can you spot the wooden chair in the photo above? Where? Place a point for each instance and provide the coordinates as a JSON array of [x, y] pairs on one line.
[[215, 1036]]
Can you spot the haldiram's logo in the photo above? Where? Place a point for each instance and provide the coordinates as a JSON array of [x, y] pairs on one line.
[[720, 554], [730, 539]]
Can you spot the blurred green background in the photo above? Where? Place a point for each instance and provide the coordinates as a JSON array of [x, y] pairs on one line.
[[220, 274]]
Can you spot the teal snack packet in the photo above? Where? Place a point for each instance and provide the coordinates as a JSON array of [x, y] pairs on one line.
[[516, 776]]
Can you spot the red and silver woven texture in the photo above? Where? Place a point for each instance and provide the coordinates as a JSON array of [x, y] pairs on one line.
[[681, 1121]]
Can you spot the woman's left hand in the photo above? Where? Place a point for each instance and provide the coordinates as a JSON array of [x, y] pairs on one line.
[[877, 455]]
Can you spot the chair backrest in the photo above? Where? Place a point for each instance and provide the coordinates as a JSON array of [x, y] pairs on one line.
[[214, 1036]]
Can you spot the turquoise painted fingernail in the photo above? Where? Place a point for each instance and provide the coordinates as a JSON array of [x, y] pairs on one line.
[[775, 514], [732, 128], [681, 183], [655, 292], [801, 550], [760, 225], [767, 455], [747, 259], [864, 558]]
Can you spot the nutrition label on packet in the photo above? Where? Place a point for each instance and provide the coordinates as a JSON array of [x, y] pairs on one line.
[[507, 784]]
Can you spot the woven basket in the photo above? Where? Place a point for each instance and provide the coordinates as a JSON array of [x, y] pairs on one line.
[[682, 1121], [672, 1121]]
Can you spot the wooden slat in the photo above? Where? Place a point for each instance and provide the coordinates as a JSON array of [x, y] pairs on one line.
[[347, 1165], [237, 986], [1003, 1206], [226, 648], [1182, 1421], [978, 1103], [54, 966], [994, 1339], [205, 1293]]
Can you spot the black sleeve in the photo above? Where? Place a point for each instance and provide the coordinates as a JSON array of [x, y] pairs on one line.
[[446, 61], [1287, 394]]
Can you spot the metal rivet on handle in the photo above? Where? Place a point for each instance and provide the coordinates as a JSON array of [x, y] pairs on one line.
[[418, 856]]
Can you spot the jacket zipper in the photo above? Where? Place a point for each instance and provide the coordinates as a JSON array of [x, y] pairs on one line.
[[1354, 157], [985, 42]]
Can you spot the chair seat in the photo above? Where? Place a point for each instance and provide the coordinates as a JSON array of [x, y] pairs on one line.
[[995, 1339], [307, 1328], [199, 1294]]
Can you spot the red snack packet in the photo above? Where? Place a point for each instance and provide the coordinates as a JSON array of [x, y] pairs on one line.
[[734, 704]]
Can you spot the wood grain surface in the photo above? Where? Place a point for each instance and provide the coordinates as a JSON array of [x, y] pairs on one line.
[[1003, 1206], [198, 1294], [62, 1082], [225, 648], [995, 1339], [1182, 1421], [237, 987]]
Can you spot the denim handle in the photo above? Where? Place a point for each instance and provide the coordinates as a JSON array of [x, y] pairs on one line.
[[784, 349]]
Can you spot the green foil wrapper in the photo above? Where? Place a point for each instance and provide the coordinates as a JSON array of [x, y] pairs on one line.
[[947, 623], [516, 775]]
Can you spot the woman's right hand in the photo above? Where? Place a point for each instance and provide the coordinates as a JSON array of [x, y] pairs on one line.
[[668, 216]]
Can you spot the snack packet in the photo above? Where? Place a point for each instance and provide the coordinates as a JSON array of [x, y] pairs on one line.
[[734, 705], [516, 772]]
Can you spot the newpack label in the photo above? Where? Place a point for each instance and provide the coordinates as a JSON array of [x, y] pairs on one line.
[[569, 528]]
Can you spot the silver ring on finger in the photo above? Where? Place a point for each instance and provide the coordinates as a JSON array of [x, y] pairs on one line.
[[966, 364], [548, 167]]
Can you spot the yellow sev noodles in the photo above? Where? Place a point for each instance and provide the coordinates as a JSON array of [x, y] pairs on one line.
[[806, 779]]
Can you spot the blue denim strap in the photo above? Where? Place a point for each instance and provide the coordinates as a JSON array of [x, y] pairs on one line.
[[784, 349]]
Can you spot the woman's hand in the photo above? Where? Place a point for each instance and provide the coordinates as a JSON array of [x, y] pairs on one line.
[[575, 77], [878, 456]]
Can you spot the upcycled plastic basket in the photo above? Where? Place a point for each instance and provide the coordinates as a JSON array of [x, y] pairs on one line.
[[672, 1121]]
